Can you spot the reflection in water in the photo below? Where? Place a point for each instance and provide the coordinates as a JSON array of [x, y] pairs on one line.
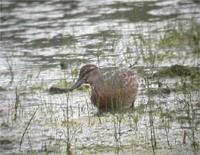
[[38, 36]]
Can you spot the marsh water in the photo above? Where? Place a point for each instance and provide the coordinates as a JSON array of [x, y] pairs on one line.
[[44, 43]]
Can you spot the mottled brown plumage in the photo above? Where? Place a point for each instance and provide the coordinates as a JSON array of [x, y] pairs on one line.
[[111, 90]]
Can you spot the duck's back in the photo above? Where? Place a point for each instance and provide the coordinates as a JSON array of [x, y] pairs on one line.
[[119, 89]]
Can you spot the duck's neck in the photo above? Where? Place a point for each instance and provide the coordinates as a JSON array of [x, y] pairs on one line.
[[98, 85]]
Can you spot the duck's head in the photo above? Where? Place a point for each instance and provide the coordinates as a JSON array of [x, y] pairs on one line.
[[88, 74]]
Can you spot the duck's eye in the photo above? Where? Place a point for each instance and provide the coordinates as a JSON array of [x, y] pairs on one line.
[[86, 78]]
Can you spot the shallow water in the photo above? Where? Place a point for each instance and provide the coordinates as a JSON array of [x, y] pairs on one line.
[[37, 36]]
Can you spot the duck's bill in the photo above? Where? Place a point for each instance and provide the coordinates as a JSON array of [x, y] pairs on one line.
[[78, 83]]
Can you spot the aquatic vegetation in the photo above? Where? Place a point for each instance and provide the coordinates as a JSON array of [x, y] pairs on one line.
[[58, 40], [10, 65], [70, 40], [198, 104], [181, 35], [7, 140], [75, 72], [26, 128], [2, 89], [65, 85], [63, 65], [16, 104], [62, 84], [4, 124], [156, 91], [36, 87], [178, 70]]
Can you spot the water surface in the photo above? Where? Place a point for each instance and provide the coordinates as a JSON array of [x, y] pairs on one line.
[[38, 36]]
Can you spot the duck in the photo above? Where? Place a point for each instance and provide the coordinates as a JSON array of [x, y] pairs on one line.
[[111, 90]]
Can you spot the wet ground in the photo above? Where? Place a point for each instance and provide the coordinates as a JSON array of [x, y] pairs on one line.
[[44, 43]]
